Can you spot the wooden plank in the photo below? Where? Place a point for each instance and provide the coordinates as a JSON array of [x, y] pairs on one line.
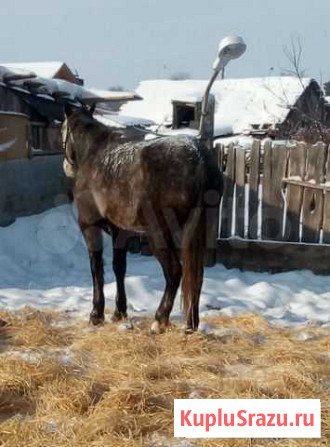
[[326, 214], [254, 181], [319, 187], [312, 208], [294, 197], [279, 168], [274, 257], [228, 193], [219, 151], [240, 191], [275, 161], [266, 189]]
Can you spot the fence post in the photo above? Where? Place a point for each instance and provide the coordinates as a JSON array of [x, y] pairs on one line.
[[240, 192], [294, 195], [254, 181], [275, 159], [228, 193], [313, 200]]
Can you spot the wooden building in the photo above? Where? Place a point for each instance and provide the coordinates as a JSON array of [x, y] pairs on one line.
[[39, 91], [44, 116], [32, 97]]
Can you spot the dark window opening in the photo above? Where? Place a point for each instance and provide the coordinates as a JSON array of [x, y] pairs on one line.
[[185, 115], [36, 136]]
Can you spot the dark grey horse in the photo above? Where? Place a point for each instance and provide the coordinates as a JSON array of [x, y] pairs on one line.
[[157, 187]]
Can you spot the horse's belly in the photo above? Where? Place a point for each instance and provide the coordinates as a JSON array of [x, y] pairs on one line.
[[119, 210]]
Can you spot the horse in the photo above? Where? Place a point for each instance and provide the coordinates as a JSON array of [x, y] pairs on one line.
[[157, 187]]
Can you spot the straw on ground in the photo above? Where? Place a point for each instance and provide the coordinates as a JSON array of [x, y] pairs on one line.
[[64, 383]]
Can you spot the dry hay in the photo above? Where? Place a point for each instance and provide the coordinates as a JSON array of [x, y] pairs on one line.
[[64, 383]]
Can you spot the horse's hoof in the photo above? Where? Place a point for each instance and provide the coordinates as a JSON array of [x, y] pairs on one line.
[[96, 320], [117, 316], [157, 328]]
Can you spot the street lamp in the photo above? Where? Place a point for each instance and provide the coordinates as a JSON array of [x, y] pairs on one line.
[[231, 47]]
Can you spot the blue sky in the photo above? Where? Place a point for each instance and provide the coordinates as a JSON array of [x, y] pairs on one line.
[[124, 41]]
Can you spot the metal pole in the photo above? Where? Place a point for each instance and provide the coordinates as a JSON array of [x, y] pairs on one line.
[[205, 101]]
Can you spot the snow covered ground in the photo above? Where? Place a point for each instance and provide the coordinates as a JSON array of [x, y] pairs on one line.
[[44, 263]]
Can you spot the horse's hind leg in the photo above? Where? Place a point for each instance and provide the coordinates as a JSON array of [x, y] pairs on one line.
[[93, 239], [171, 266], [120, 243]]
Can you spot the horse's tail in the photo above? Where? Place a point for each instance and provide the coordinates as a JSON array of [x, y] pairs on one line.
[[193, 249]]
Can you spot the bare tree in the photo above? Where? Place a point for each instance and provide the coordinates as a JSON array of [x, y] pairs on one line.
[[310, 117], [293, 53]]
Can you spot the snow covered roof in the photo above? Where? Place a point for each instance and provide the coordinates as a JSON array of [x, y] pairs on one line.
[[112, 119], [93, 95], [27, 77], [42, 69], [241, 104]]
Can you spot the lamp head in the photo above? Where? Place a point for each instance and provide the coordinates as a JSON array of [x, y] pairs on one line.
[[231, 47]]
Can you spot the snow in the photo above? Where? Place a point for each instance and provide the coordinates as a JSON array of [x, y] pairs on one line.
[[40, 77], [41, 69], [107, 95], [5, 72], [26, 355], [240, 103], [242, 141], [6, 112], [112, 119], [182, 131], [44, 264], [5, 146], [77, 92], [65, 356]]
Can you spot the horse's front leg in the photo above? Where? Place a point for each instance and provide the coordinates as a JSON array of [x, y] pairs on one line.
[[93, 239], [120, 244]]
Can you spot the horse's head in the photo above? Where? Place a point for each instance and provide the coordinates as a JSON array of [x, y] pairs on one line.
[[73, 115]]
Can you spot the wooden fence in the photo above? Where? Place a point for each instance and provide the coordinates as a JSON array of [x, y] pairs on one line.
[[275, 210], [275, 192]]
